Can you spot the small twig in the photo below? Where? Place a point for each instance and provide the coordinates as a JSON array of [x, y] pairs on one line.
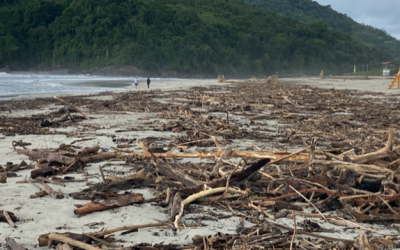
[[362, 227], [294, 231], [178, 216], [309, 202], [312, 196], [390, 207], [102, 174], [230, 175], [67, 168]]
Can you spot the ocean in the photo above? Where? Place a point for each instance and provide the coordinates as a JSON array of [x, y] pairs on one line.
[[14, 85]]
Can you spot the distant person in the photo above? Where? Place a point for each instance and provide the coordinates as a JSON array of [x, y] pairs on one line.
[[136, 83], [148, 82]]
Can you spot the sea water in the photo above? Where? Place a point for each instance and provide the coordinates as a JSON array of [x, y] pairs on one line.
[[13, 85]]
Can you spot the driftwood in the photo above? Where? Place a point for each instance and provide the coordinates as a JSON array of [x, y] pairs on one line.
[[236, 177], [49, 157], [39, 194], [63, 247], [73, 106], [75, 243], [88, 193], [3, 178], [139, 174], [91, 150], [51, 192], [13, 245], [167, 170], [10, 214], [8, 218], [124, 228], [382, 153], [225, 154], [361, 218], [43, 172], [105, 201], [45, 241], [240, 154]]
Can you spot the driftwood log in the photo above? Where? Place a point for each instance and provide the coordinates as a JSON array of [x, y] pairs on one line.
[[236, 177], [73, 106], [105, 201], [4, 219], [88, 193], [13, 245]]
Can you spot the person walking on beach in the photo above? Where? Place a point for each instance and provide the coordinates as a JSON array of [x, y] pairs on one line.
[[148, 82], [136, 83]]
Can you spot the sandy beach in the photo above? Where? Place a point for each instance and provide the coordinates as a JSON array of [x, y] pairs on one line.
[[126, 115]]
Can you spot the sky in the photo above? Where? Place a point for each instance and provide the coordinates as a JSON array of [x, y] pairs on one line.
[[382, 14]]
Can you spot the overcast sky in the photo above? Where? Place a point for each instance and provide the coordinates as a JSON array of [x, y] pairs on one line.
[[382, 14]]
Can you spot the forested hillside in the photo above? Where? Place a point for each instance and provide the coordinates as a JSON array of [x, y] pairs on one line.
[[309, 11], [191, 37]]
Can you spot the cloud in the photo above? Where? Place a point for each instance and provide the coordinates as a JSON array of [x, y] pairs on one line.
[[381, 15]]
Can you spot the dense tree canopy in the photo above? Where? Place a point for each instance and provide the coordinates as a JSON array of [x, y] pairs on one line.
[[310, 11], [197, 36]]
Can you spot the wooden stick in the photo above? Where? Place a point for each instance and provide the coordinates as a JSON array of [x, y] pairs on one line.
[[39, 194], [309, 202], [199, 195], [102, 174], [124, 228], [378, 154], [294, 231], [225, 154], [288, 156], [178, 216], [230, 175], [8, 218], [73, 106], [71, 242], [51, 192]]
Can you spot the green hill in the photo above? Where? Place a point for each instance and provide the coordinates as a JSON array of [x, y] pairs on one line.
[[310, 11], [190, 37]]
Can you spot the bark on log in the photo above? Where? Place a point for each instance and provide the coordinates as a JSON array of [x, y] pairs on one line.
[[43, 172], [73, 106], [236, 177]]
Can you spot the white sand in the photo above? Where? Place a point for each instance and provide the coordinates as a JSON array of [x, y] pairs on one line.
[[376, 84]]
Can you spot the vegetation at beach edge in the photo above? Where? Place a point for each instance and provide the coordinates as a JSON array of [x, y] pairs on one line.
[[311, 11], [206, 37]]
